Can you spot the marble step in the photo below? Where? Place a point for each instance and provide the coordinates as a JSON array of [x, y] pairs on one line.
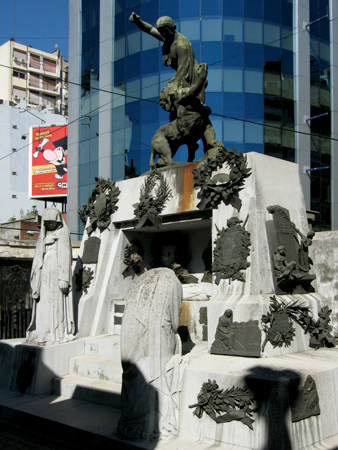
[[99, 368], [101, 392], [106, 345]]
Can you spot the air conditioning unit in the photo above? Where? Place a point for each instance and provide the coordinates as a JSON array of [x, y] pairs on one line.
[[66, 95], [23, 60], [16, 97], [16, 58]]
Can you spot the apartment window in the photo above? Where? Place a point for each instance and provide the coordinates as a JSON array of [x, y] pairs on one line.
[[34, 80], [18, 74], [19, 93], [49, 84], [34, 62], [49, 65], [18, 55]]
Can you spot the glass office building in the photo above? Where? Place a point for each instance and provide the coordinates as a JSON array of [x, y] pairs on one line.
[[270, 87]]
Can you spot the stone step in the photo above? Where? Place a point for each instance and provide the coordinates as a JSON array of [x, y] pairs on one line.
[[101, 392], [99, 368], [106, 345]]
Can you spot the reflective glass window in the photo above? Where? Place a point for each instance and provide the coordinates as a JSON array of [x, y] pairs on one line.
[[83, 175], [119, 48], [211, 8], [287, 16], [133, 43], [287, 42], [133, 65], [253, 55], [120, 24], [149, 113], [253, 31], [189, 8], [272, 10], [214, 101], [233, 80], [150, 86], [120, 6], [253, 81], [233, 30], [133, 89], [233, 8], [254, 133], [272, 35], [149, 42], [93, 171], [191, 29], [233, 104], [233, 54], [118, 167], [150, 10], [169, 8], [211, 52], [214, 79], [232, 130], [119, 71], [84, 152], [150, 61], [254, 106], [211, 30], [253, 8]]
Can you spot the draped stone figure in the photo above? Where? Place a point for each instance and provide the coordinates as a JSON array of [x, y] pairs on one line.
[[151, 356], [51, 278]]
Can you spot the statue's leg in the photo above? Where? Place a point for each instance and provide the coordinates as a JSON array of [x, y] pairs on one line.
[[209, 137], [160, 146]]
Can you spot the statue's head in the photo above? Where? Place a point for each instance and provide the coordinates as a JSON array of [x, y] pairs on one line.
[[166, 26], [281, 250]]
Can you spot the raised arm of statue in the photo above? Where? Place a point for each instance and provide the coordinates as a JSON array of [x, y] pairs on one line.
[[144, 26]]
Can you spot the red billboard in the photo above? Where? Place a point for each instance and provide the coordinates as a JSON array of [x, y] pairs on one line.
[[48, 161]]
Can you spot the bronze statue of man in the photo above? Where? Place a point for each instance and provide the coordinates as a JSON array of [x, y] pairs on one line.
[[177, 52]]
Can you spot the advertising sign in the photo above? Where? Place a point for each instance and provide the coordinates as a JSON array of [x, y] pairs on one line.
[[48, 161]]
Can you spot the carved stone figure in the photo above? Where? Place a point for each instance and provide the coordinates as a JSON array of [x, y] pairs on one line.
[[306, 403], [231, 251], [151, 356], [51, 278], [236, 338], [283, 269], [291, 260]]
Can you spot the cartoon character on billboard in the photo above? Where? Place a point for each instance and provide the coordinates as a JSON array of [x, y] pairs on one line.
[[57, 157]]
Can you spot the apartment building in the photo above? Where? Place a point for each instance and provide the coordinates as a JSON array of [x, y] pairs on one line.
[[39, 78]]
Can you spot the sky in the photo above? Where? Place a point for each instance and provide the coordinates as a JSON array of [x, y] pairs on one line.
[[39, 23]]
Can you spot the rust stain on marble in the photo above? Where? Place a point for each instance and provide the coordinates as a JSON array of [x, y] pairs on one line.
[[188, 194]]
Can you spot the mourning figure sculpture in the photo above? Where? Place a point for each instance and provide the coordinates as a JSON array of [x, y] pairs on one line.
[[291, 260], [306, 402], [51, 278], [151, 356], [236, 338]]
